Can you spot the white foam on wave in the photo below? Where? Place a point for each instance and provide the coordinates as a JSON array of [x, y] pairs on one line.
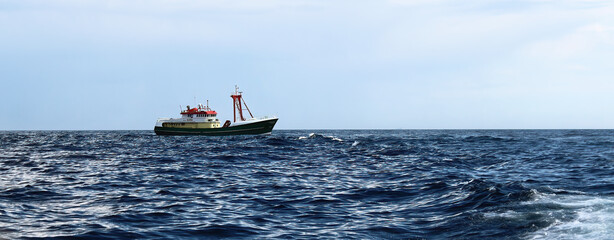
[[335, 138], [313, 135], [574, 215], [593, 217]]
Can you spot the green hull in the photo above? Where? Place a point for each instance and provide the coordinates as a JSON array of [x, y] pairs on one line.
[[245, 129]]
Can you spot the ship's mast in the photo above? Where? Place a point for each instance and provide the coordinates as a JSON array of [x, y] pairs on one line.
[[237, 106]]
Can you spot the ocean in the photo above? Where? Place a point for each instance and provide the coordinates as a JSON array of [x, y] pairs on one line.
[[308, 184]]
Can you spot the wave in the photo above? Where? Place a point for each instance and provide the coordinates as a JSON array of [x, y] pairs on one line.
[[320, 137], [485, 138], [113, 233], [277, 141], [378, 194], [221, 231], [557, 214], [30, 193], [308, 184], [575, 216]]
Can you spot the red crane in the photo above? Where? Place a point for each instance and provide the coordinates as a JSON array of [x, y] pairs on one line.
[[237, 106]]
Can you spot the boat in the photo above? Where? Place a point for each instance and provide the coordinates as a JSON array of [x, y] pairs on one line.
[[202, 120]]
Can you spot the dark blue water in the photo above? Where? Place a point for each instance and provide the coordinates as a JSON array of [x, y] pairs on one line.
[[542, 184]]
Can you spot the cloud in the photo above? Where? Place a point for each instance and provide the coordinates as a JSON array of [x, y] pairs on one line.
[[64, 23], [582, 41]]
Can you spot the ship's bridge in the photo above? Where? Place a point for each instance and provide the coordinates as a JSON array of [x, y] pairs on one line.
[[200, 111], [195, 112]]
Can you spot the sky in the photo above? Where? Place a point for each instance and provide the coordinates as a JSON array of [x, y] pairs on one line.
[[315, 64]]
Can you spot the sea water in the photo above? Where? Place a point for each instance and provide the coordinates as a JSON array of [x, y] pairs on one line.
[[326, 184]]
